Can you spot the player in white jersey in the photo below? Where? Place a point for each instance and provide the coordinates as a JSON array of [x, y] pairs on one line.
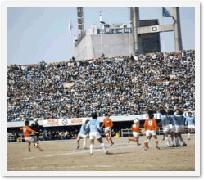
[[83, 133], [190, 121], [94, 133]]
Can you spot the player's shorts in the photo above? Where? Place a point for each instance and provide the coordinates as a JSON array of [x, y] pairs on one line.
[[178, 128], [94, 135], [191, 126], [135, 134], [181, 127], [29, 139], [151, 132], [82, 135], [166, 128], [107, 130], [171, 128]]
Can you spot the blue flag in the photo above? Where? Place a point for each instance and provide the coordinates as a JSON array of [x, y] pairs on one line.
[[165, 13]]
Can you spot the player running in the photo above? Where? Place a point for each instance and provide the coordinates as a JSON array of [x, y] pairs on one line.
[[83, 133], [151, 127], [35, 127], [179, 125], [190, 121], [166, 128], [94, 133], [108, 125], [26, 131], [135, 128]]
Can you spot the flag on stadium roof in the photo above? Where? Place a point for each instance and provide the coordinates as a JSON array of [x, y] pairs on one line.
[[166, 13]]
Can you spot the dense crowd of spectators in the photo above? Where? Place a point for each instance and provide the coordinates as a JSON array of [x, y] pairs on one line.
[[119, 85]]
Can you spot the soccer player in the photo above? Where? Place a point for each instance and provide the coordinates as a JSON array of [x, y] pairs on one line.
[[108, 125], [35, 127], [179, 125], [190, 121], [135, 128], [94, 133], [151, 127], [83, 133], [26, 131], [165, 123], [171, 125]]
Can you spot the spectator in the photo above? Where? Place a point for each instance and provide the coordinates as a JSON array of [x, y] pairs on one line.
[[122, 85]]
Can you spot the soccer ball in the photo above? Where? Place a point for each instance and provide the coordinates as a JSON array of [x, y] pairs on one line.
[[136, 121]]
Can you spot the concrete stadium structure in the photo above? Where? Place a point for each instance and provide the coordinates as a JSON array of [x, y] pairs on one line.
[[138, 36]]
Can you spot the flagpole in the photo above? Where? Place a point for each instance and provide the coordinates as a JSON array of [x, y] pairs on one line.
[[101, 33], [163, 37]]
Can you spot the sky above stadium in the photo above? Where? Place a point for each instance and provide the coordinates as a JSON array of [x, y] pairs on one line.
[[40, 33]]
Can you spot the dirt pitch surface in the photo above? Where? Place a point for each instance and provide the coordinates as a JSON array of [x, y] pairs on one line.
[[123, 156]]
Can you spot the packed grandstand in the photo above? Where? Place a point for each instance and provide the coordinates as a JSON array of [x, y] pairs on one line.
[[118, 85]]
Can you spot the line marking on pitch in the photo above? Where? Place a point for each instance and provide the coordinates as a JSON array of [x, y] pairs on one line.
[[30, 158]]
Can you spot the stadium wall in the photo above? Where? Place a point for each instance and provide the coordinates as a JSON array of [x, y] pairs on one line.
[[79, 121]]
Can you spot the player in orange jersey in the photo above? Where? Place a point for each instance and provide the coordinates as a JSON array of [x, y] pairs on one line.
[[108, 125], [135, 128], [26, 131], [151, 127]]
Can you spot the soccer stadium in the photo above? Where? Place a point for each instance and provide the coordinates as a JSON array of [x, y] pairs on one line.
[[128, 107]]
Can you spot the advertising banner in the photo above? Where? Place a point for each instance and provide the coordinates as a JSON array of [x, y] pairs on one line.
[[63, 122]]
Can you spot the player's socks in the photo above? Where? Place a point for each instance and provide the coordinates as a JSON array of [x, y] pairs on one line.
[[91, 149], [177, 141], [104, 147], [145, 145], [181, 139], [110, 139], [172, 139], [167, 141], [156, 141], [131, 139], [84, 144], [38, 148], [106, 137], [29, 147], [189, 134]]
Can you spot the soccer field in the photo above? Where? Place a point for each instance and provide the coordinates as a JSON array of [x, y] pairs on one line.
[[124, 156]]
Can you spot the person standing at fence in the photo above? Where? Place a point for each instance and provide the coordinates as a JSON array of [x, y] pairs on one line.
[[136, 129], [35, 126], [108, 125], [151, 127], [190, 121], [26, 131], [83, 133], [94, 133]]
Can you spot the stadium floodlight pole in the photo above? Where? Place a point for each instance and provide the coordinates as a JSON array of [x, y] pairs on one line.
[[70, 30], [101, 41], [129, 37]]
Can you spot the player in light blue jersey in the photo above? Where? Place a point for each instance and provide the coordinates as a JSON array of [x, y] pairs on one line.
[[190, 121], [179, 126], [83, 133], [94, 133], [165, 122]]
